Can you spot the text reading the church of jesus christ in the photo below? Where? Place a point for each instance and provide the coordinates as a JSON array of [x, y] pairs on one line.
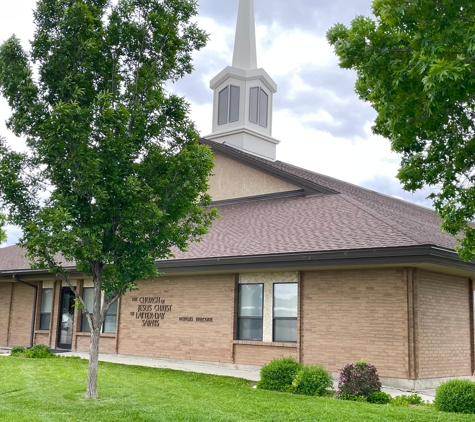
[[151, 310]]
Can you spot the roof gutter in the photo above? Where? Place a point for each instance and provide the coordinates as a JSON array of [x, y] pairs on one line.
[[35, 299], [380, 256], [299, 260]]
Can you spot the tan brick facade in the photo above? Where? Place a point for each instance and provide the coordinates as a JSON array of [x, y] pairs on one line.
[[412, 324], [254, 354], [355, 314], [5, 304], [444, 348], [188, 297], [21, 315]]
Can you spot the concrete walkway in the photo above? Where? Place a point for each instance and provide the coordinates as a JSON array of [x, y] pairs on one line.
[[238, 371]]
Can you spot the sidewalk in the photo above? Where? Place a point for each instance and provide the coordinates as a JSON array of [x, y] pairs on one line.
[[238, 371]]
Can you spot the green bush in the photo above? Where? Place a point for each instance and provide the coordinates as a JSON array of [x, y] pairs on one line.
[[456, 396], [415, 400], [378, 397], [17, 351], [40, 351], [279, 374], [358, 379], [312, 380], [405, 401]]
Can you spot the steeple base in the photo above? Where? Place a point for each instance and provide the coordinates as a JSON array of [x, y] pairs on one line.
[[248, 141]]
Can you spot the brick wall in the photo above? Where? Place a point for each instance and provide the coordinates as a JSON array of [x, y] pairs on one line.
[[5, 295], [189, 297], [355, 314], [247, 354], [443, 324], [42, 338], [106, 344], [22, 308]]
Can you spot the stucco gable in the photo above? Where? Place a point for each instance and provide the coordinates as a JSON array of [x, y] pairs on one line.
[[232, 179]]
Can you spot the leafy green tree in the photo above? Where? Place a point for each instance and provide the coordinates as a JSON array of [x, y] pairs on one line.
[[3, 235], [114, 177], [415, 63]]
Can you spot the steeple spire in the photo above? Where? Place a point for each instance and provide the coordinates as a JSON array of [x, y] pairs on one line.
[[243, 94], [245, 56]]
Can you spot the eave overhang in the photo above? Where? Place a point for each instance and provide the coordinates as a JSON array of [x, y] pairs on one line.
[[408, 255], [36, 274], [397, 256]]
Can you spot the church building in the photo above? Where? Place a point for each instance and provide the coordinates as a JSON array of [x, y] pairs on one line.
[[299, 264]]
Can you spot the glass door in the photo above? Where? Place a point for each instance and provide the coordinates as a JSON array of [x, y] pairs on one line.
[[66, 319]]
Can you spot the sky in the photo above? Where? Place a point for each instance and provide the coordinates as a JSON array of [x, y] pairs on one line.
[[321, 123]]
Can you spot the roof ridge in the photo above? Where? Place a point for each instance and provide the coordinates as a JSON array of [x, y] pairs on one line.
[[355, 185], [380, 217]]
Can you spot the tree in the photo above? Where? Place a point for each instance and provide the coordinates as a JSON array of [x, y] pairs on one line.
[[3, 235], [114, 177], [415, 64]]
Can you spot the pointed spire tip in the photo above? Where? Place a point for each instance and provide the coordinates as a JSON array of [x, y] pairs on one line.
[[245, 55]]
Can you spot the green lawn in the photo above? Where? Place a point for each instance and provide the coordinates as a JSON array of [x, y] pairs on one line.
[[53, 390]]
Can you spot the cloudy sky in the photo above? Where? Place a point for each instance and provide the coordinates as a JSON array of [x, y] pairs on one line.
[[320, 122]]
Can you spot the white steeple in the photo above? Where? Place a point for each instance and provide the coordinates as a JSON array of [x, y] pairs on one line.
[[243, 94]]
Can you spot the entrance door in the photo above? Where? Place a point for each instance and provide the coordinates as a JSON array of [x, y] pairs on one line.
[[66, 319]]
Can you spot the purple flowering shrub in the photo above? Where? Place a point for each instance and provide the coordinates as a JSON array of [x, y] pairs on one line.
[[358, 379]]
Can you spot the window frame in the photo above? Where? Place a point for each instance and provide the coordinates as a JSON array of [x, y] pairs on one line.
[[40, 325], [274, 318], [85, 322], [240, 318]]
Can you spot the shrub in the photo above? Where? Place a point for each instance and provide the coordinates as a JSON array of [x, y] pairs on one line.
[[415, 400], [456, 396], [17, 351], [358, 379], [40, 351], [312, 380], [378, 397], [279, 374], [405, 401]]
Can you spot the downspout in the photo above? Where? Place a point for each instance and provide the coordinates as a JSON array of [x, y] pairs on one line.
[[33, 316]]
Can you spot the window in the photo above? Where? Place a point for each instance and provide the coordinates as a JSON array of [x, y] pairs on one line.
[[285, 312], [88, 298], [250, 312], [45, 312], [228, 105], [109, 325], [110, 319], [258, 106]]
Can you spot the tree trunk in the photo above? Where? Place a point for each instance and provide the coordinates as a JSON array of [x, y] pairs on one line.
[[91, 391], [96, 328]]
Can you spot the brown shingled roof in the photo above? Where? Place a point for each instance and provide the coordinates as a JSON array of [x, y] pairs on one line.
[[297, 224], [13, 258]]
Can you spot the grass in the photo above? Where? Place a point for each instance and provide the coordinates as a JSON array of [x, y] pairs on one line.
[[53, 390]]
